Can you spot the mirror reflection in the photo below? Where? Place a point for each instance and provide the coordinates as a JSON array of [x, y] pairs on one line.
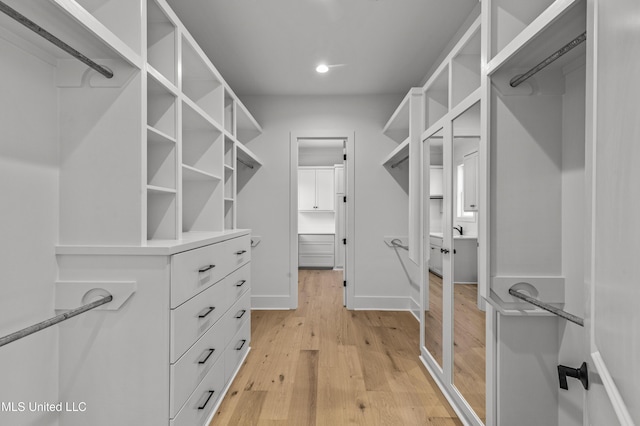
[[433, 294], [468, 316]]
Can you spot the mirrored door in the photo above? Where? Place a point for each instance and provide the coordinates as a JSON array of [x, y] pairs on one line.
[[433, 228], [468, 319]]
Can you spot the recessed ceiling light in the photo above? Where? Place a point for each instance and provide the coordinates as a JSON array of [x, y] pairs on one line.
[[322, 68]]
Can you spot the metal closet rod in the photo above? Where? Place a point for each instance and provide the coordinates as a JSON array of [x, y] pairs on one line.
[[53, 321], [557, 311], [515, 81], [396, 242], [396, 164], [246, 164], [17, 16]]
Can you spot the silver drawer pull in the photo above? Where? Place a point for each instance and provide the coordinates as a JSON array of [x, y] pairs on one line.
[[240, 283], [241, 342], [206, 311], [241, 313], [211, 392], [241, 252], [204, 361], [206, 268]]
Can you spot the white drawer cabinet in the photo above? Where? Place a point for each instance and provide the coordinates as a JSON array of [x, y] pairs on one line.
[[316, 250], [169, 353]]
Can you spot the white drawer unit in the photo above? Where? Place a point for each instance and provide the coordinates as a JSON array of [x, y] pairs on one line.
[[316, 250], [178, 339]]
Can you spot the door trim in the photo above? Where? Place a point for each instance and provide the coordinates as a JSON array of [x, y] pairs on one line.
[[349, 137]]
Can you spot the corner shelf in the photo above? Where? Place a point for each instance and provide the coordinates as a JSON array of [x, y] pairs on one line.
[[245, 155], [401, 152]]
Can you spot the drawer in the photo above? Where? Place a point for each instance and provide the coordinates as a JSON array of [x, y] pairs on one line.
[[325, 261], [237, 253], [194, 365], [316, 248], [194, 317], [237, 316], [238, 283], [195, 270], [435, 241], [236, 350], [198, 407], [315, 238]]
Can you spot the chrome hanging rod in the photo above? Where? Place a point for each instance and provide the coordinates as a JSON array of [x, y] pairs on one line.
[[246, 164], [557, 311], [17, 16], [515, 81], [396, 164], [53, 321], [397, 243]]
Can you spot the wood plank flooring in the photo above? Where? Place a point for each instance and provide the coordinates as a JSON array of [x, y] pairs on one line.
[[324, 365]]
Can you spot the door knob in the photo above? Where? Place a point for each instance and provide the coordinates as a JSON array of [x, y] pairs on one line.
[[444, 250]]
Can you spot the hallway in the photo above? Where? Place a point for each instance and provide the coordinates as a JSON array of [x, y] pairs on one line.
[[324, 365]]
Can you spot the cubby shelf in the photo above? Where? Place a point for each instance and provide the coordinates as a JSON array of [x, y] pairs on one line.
[[160, 190], [192, 174], [161, 42], [157, 137]]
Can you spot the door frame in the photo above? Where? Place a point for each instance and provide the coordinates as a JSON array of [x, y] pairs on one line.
[[349, 137]]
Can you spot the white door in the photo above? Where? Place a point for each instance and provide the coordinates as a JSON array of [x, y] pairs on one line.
[[306, 189], [613, 315], [325, 190]]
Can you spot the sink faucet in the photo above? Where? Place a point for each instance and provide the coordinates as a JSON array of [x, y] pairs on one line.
[[458, 228]]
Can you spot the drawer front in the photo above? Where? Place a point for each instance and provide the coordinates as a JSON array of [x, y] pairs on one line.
[[237, 316], [194, 317], [199, 405], [194, 365], [195, 270], [316, 248], [435, 241], [325, 261], [238, 347], [315, 238], [238, 283], [237, 253]]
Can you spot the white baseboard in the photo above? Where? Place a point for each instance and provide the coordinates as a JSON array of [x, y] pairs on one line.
[[382, 303], [415, 308], [279, 303]]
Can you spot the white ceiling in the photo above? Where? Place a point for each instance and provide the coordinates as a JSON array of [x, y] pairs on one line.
[[273, 46]]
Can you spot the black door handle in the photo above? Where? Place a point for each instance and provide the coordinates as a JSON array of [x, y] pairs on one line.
[[577, 373]]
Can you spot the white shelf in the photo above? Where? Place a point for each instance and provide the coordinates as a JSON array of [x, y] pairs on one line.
[[247, 156], [156, 136], [152, 189], [228, 168], [397, 128], [553, 28], [228, 200], [397, 154], [247, 128], [192, 174], [198, 122], [161, 41]]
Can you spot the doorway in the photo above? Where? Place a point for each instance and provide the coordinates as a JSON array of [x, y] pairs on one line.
[[321, 208]]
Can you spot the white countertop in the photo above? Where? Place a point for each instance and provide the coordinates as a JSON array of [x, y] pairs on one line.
[[455, 237]]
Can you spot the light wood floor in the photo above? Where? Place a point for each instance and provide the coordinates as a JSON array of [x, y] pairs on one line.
[[324, 365]]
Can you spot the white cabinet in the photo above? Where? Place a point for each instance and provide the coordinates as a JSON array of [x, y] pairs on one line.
[[173, 347], [435, 182], [316, 189], [470, 162], [316, 250], [435, 263]]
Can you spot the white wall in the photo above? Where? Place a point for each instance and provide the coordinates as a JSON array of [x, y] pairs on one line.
[[28, 231], [380, 202]]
